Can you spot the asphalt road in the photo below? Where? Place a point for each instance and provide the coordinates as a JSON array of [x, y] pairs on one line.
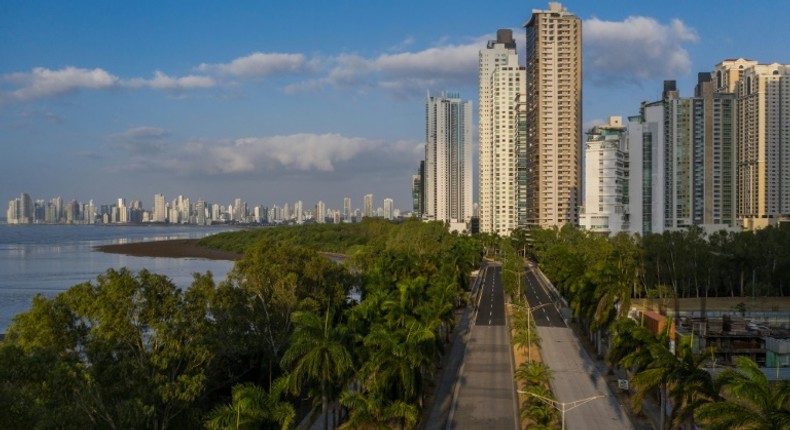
[[486, 397], [579, 384], [547, 316]]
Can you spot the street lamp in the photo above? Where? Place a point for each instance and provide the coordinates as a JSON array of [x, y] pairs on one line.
[[529, 326], [563, 406]]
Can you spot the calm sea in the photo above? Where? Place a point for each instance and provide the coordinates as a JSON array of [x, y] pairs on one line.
[[48, 259]]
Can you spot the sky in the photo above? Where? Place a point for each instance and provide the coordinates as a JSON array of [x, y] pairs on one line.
[[277, 101]]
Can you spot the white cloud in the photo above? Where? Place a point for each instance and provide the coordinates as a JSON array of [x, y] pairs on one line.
[[442, 61], [259, 64], [42, 82], [319, 156], [635, 49], [300, 152], [440, 67], [162, 81]]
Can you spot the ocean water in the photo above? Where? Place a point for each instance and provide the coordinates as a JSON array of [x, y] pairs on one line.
[[48, 259]]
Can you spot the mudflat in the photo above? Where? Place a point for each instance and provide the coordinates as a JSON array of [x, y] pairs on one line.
[[176, 248]]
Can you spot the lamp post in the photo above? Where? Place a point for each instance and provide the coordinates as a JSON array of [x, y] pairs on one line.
[[563, 406], [529, 326]]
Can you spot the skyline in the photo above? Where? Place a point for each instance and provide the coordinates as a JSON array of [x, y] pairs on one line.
[[270, 102]]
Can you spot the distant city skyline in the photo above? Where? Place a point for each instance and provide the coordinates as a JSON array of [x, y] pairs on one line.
[[310, 101], [181, 209]]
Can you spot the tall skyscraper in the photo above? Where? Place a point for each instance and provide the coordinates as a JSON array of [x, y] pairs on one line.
[[501, 80], [388, 209], [347, 209], [160, 208], [448, 158], [554, 116], [763, 92], [720, 153], [320, 212], [368, 206], [299, 212]]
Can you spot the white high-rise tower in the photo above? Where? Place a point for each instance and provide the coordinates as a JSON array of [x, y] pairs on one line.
[[501, 80], [448, 158]]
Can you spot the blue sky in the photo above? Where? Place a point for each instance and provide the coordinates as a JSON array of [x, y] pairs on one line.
[[279, 101]]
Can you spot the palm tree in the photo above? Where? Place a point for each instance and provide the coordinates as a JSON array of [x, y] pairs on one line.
[[650, 359], [691, 386], [251, 408], [538, 412], [627, 349], [750, 401], [372, 411], [534, 374], [317, 354]]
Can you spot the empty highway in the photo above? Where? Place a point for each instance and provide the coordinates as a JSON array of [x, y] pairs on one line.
[[486, 397]]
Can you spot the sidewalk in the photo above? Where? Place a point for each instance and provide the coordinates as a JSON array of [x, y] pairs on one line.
[[441, 401], [437, 409], [647, 419]]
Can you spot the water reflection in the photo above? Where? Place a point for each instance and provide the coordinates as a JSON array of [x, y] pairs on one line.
[[50, 259]]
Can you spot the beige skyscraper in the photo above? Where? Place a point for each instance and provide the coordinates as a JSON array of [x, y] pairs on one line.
[[367, 210], [763, 92], [554, 116], [501, 80]]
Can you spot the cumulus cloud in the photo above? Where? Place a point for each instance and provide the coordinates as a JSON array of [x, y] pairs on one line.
[[403, 73], [299, 152], [319, 156], [259, 64], [42, 82], [635, 49], [162, 81]]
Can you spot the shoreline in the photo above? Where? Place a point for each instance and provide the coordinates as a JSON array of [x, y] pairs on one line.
[[174, 248]]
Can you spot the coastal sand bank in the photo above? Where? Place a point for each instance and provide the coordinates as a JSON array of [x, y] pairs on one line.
[[176, 248]]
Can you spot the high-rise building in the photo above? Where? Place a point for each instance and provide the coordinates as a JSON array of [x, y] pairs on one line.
[[418, 191], [160, 208], [553, 116], [320, 212], [448, 158], [368, 206], [720, 156], [388, 209], [605, 178], [680, 157], [12, 214], [200, 212], [501, 80], [763, 92], [347, 209], [299, 212], [89, 214]]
